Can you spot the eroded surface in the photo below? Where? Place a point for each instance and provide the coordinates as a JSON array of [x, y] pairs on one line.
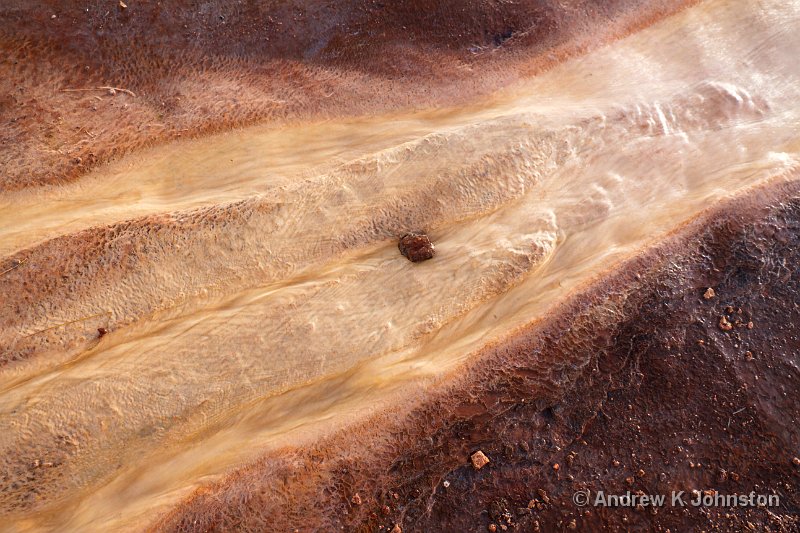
[[255, 296]]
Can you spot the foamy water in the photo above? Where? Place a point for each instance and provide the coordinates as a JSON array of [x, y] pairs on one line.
[[274, 305]]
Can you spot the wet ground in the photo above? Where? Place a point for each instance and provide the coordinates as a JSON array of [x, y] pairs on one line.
[[207, 326], [632, 385], [85, 82]]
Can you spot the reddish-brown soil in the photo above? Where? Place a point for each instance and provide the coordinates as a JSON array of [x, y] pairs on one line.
[[189, 67], [631, 386], [638, 383]]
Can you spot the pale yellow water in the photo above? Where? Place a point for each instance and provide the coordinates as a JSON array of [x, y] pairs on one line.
[[305, 315]]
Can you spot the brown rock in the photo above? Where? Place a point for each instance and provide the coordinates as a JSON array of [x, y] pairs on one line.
[[479, 460], [101, 332], [416, 247], [709, 293], [724, 324], [356, 499], [397, 529]]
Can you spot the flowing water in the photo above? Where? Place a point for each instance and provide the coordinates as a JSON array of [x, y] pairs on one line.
[[272, 303]]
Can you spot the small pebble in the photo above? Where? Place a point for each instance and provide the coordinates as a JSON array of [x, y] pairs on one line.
[[416, 247], [479, 460]]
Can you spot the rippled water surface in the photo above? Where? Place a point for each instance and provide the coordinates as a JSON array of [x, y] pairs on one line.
[[273, 303]]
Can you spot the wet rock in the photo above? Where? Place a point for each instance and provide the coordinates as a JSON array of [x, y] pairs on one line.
[[416, 247], [479, 460]]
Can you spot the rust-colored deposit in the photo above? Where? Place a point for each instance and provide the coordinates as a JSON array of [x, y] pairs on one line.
[[401, 266], [84, 82]]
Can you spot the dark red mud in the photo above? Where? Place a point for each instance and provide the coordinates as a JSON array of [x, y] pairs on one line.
[[631, 386], [82, 83]]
